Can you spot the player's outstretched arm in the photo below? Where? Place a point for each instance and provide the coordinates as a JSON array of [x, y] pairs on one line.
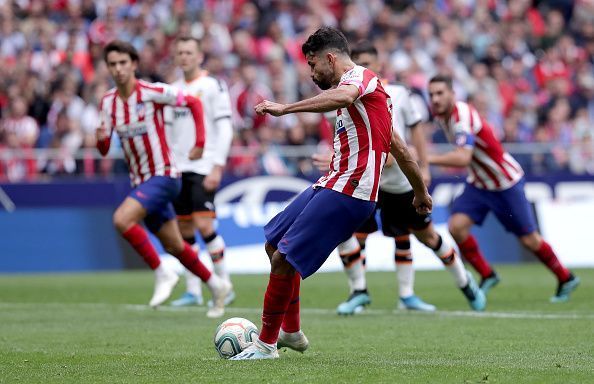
[[409, 167], [329, 100], [459, 157]]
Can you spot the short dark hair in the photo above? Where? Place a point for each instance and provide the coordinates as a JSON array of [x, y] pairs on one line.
[[363, 47], [323, 39], [185, 38], [442, 78], [121, 47]]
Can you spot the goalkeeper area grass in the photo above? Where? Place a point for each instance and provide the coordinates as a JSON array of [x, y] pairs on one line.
[[98, 328]]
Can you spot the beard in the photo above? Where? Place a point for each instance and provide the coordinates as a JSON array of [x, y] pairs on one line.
[[323, 85]]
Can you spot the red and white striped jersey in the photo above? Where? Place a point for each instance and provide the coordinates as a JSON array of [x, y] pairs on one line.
[[361, 138], [491, 168], [139, 124]]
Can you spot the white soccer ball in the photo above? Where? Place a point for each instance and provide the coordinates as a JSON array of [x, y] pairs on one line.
[[233, 336]]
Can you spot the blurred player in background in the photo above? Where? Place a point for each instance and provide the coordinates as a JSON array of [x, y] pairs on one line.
[[200, 178], [134, 109], [300, 238], [495, 183], [398, 215]]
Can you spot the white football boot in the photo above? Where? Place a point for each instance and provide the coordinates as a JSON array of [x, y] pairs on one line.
[[296, 341], [165, 281]]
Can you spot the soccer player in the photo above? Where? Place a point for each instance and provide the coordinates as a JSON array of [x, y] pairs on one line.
[[200, 178], [398, 215], [495, 183], [134, 109], [300, 238]]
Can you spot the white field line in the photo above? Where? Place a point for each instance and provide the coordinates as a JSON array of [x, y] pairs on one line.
[[308, 311]]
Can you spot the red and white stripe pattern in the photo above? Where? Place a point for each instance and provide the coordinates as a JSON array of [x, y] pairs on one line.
[[139, 124], [361, 139], [491, 168]]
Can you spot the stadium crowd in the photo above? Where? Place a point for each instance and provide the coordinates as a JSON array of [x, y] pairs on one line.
[[526, 65]]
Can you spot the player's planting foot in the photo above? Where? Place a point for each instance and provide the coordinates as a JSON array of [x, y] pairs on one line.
[[188, 299], [564, 289], [297, 341], [476, 298], [257, 351], [489, 282], [165, 281], [229, 299], [354, 304], [219, 293], [415, 303]]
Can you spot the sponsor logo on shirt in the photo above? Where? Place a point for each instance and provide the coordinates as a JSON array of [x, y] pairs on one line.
[[179, 113], [140, 111], [339, 128], [131, 130]]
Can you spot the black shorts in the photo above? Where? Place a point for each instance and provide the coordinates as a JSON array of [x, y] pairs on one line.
[[397, 214], [193, 197]]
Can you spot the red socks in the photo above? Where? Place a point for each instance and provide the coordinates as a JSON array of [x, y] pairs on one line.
[[292, 321], [276, 301], [547, 256], [139, 240], [189, 259], [471, 252]]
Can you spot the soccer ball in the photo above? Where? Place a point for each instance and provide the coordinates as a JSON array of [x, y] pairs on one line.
[[233, 336]]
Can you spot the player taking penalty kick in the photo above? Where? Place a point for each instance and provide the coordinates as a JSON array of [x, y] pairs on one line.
[[300, 238], [495, 183], [134, 109]]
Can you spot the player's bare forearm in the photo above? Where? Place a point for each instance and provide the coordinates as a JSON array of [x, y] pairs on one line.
[[459, 158], [326, 101], [329, 100], [407, 164]]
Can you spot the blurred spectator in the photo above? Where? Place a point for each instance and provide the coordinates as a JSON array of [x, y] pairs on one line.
[[527, 65]]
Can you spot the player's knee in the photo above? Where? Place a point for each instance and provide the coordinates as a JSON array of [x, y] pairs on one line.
[[174, 248], [270, 249], [121, 222], [458, 232], [279, 264], [204, 226], [531, 241]]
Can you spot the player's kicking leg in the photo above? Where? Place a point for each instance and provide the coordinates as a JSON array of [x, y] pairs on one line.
[[464, 280], [353, 259]]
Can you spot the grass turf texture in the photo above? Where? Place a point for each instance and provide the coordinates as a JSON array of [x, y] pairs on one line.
[[96, 328]]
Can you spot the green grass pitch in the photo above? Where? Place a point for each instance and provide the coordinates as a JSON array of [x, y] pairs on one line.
[[96, 328]]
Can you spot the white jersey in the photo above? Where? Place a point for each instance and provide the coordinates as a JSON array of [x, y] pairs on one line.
[[405, 114], [180, 126]]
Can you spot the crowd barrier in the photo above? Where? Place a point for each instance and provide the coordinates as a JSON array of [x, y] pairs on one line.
[[64, 226]]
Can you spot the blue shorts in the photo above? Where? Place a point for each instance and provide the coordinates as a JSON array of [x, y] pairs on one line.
[[156, 196], [313, 224], [510, 206]]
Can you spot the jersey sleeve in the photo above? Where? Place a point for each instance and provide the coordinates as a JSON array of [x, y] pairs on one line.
[[360, 77], [462, 128], [220, 100], [412, 115], [168, 95]]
